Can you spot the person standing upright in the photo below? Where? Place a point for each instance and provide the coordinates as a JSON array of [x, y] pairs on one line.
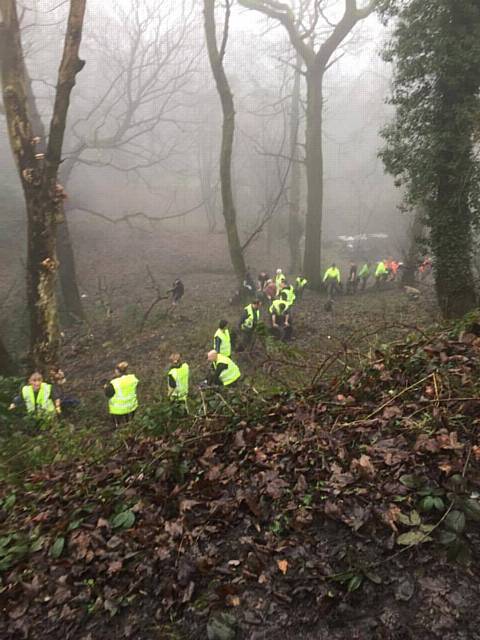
[[332, 279], [248, 323], [364, 275]]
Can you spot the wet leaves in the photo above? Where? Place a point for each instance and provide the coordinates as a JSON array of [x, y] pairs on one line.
[[123, 520], [247, 522], [57, 548]]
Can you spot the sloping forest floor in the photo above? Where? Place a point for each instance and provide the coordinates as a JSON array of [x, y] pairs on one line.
[[347, 508]]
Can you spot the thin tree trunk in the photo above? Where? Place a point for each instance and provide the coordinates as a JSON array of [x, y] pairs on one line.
[[228, 131], [314, 166], [295, 226]]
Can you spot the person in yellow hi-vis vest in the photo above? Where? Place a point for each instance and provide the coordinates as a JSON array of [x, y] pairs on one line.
[[332, 280], [38, 397], [381, 273], [224, 371], [248, 323], [121, 392], [222, 341], [178, 379]]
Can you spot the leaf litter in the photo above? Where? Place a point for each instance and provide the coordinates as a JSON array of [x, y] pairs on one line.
[[332, 511]]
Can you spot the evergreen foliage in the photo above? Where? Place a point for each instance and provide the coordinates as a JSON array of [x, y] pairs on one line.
[[430, 145]]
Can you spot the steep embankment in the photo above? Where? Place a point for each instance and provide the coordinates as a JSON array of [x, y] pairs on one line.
[[324, 516]]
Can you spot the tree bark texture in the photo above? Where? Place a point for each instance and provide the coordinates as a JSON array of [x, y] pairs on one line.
[[228, 131], [38, 172], [314, 167], [295, 224]]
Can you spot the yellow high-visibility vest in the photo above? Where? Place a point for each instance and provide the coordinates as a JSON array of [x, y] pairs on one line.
[[43, 402], [181, 375], [229, 375], [225, 342], [125, 399]]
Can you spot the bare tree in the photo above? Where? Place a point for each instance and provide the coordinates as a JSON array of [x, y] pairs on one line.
[[216, 57], [317, 60], [38, 172], [121, 128]]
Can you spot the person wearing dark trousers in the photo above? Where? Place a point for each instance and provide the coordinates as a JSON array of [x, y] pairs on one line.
[[121, 392], [332, 280], [300, 285], [248, 323], [352, 282], [281, 320], [177, 292], [364, 275]]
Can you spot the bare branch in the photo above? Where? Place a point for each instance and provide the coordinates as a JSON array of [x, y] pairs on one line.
[[284, 14], [137, 215]]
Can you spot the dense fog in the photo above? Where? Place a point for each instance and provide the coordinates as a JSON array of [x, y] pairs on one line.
[[143, 136]]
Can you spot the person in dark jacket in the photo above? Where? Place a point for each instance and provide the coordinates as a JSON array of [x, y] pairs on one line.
[[57, 376], [352, 282], [177, 292], [38, 397]]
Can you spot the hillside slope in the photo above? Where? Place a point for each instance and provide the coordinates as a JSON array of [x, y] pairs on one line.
[[351, 511]]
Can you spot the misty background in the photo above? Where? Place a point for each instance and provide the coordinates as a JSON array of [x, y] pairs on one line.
[[143, 137]]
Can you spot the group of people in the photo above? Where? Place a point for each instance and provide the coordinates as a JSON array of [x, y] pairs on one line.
[[45, 399], [279, 296], [382, 271]]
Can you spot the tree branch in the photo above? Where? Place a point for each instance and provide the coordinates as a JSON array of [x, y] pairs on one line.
[[284, 14], [137, 215]]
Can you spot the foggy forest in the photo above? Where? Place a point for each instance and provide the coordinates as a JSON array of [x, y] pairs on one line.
[[239, 319]]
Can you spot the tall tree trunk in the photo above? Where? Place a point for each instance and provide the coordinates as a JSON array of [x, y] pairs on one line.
[[38, 172], [228, 131], [7, 368], [66, 256], [42, 276], [295, 225], [314, 166]]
